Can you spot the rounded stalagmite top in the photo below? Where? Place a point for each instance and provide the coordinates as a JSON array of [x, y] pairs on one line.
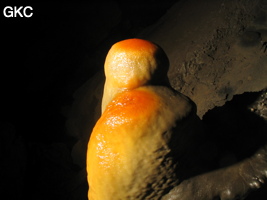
[[133, 63]]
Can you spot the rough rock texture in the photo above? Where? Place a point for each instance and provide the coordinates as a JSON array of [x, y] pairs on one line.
[[216, 49]]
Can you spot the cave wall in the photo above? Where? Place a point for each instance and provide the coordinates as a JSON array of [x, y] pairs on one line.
[[52, 79], [215, 52], [215, 49]]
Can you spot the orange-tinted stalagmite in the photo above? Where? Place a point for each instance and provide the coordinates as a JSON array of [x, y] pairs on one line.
[[133, 152]]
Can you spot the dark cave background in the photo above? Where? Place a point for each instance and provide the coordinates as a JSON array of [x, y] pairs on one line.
[[44, 59], [44, 56]]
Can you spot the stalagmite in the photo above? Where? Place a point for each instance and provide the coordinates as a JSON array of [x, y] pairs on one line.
[[135, 146]]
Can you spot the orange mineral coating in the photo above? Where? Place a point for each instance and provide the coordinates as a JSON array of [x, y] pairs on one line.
[[128, 155], [130, 106], [114, 137], [130, 64], [135, 45], [130, 141]]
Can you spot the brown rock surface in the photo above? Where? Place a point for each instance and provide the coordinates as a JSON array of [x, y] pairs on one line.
[[217, 49], [215, 52]]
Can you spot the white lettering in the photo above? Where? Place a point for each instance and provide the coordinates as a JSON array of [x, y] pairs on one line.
[[24, 11], [18, 12], [8, 13]]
